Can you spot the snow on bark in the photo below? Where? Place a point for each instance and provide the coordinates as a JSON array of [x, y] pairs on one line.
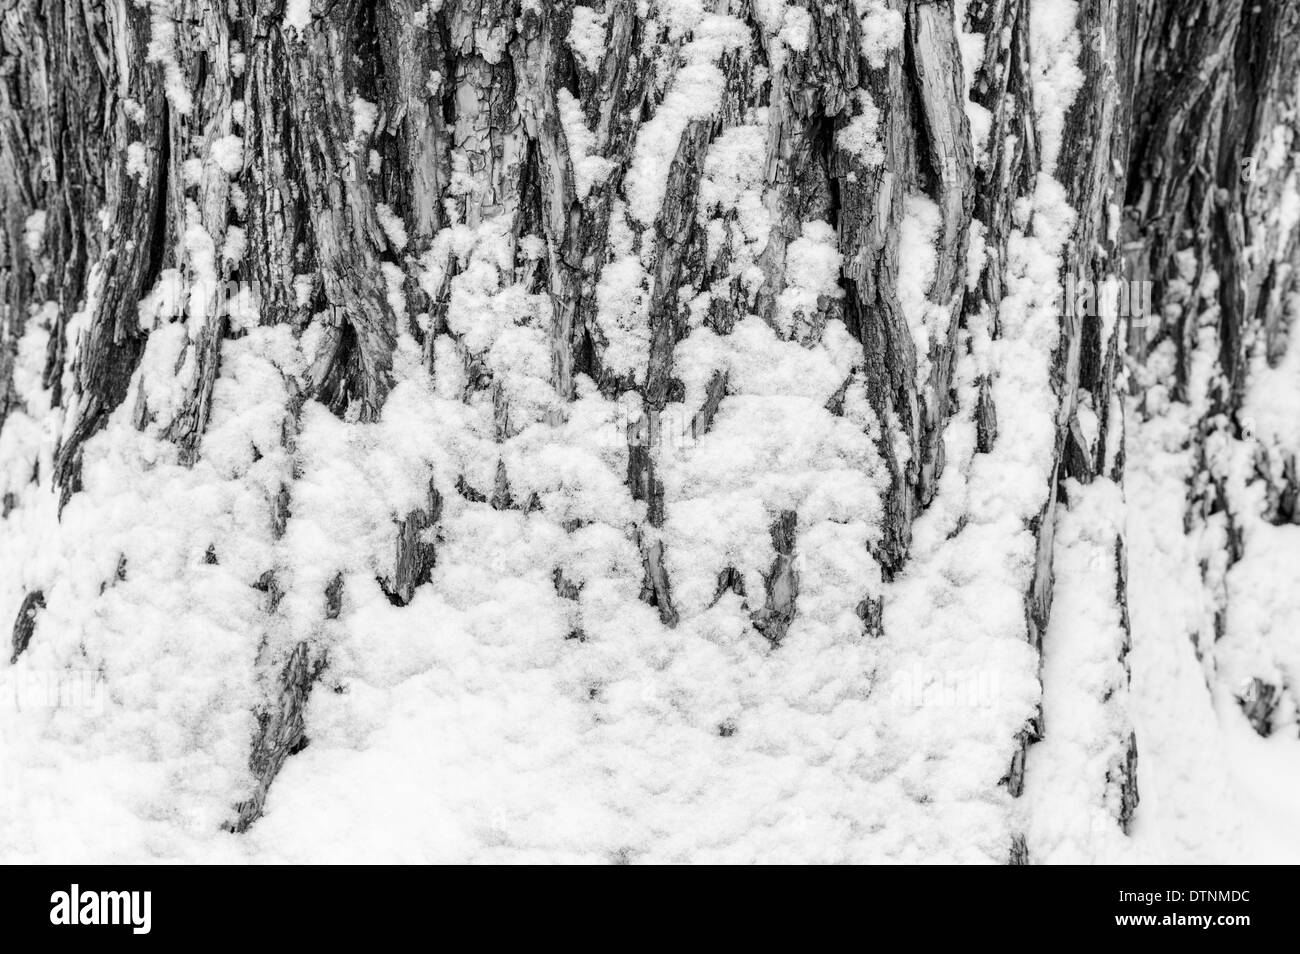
[[629, 431]]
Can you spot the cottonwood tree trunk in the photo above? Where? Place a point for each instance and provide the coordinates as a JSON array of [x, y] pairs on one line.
[[734, 324]]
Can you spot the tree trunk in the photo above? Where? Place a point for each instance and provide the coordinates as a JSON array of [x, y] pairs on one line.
[[632, 431]]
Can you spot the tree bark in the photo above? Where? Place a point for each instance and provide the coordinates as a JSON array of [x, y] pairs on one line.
[[549, 221]]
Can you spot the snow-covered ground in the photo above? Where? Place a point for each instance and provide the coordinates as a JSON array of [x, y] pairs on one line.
[[1212, 790]]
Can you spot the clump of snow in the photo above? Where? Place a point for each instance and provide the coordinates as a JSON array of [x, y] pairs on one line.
[[134, 111], [192, 172], [136, 163], [34, 232], [239, 200], [882, 30], [235, 245], [623, 296], [587, 37], [795, 28], [395, 280], [733, 179], [588, 169], [1054, 70], [1212, 791], [162, 50], [917, 261], [165, 301], [1286, 216], [228, 154], [1072, 775], [242, 308], [297, 15], [364, 116], [1272, 402], [976, 254], [812, 277], [392, 225], [981, 126], [860, 136], [532, 248], [201, 256], [695, 94], [972, 49], [165, 635]]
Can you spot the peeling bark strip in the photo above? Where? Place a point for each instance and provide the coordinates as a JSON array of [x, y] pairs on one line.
[[781, 582], [416, 555], [655, 590], [281, 732]]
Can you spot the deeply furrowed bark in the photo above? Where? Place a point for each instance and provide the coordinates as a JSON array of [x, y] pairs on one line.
[[1207, 111], [468, 132]]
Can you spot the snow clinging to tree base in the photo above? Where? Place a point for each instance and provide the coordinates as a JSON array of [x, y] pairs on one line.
[[657, 432]]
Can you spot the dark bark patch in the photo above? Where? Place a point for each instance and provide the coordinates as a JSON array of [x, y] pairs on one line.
[[416, 554], [1259, 701], [25, 623], [781, 582], [280, 733]]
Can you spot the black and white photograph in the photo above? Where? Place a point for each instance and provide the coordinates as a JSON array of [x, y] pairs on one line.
[[650, 432]]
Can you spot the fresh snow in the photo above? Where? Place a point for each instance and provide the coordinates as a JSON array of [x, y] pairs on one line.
[[494, 719], [587, 37], [228, 154], [297, 15], [34, 232], [364, 116], [136, 163], [1212, 790], [695, 93], [882, 30], [588, 169], [393, 227]]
